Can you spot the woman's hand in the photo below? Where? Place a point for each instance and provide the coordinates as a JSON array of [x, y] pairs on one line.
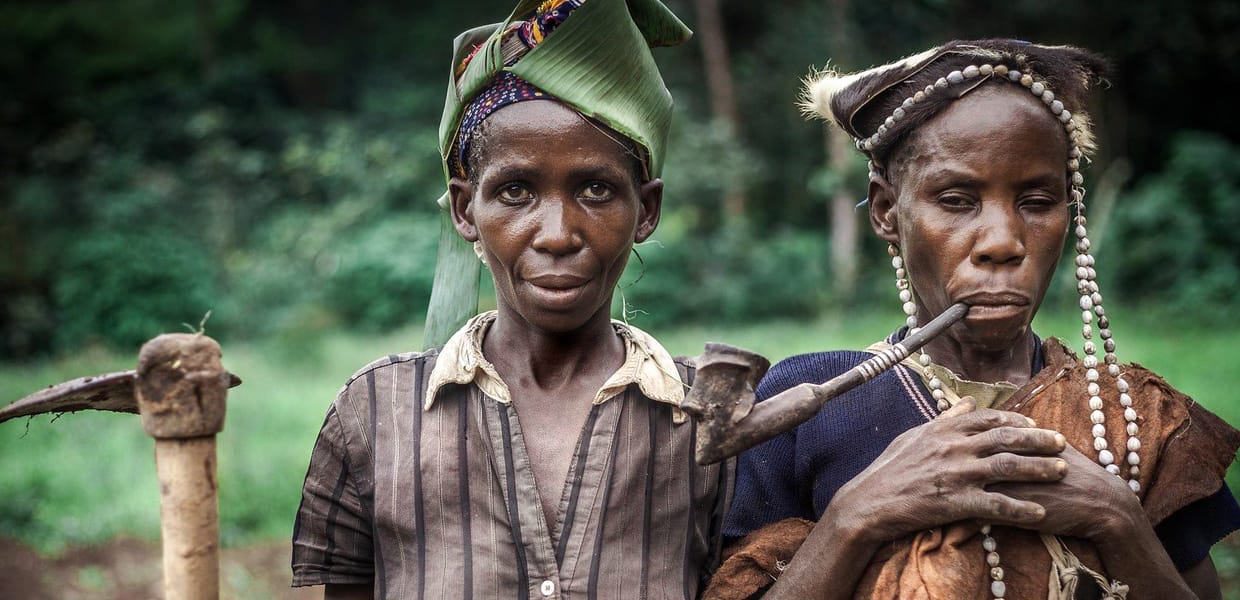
[[1088, 502], [1093, 504], [930, 476], [944, 471]]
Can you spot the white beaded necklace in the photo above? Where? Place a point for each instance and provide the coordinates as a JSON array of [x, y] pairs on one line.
[[1086, 285]]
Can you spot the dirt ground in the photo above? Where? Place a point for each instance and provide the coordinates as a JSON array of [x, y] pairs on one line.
[[128, 569]]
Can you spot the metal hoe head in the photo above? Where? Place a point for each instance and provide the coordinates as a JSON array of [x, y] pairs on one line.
[[179, 388]]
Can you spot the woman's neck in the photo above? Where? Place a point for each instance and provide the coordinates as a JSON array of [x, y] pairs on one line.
[[524, 354], [974, 362]]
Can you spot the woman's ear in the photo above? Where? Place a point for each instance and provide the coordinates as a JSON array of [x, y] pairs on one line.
[[884, 218], [648, 209], [461, 196]]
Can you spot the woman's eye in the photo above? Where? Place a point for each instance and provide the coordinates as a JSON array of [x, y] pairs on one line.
[[955, 201], [596, 191], [1040, 202], [514, 193]]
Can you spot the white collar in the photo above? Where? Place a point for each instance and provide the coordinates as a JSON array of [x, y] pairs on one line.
[[646, 363]]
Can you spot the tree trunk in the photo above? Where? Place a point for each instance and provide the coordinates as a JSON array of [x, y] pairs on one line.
[[844, 229], [205, 16], [839, 148], [722, 91]]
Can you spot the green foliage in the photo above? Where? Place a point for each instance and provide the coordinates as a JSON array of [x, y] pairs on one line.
[[707, 161], [276, 162], [732, 277], [1177, 236], [123, 264], [385, 272], [136, 223], [130, 288]]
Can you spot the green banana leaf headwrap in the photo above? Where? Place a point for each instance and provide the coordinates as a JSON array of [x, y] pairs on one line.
[[597, 62]]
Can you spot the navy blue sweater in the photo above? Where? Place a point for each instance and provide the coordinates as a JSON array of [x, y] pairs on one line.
[[797, 473]]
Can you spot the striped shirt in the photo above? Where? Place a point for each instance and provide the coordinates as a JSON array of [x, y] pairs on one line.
[[420, 482]]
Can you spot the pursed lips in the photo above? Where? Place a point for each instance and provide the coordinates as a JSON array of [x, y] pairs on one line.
[[995, 305], [995, 299]]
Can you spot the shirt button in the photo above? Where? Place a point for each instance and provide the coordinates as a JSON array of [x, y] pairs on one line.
[[548, 587]]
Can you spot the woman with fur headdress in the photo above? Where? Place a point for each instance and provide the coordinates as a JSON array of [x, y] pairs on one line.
[[994, 463]]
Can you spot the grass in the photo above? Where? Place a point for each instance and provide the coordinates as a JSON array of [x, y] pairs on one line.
[[89, 477]]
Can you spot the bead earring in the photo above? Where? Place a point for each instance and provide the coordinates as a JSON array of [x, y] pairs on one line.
[[482, 258], [910, 312], [1091, 308]]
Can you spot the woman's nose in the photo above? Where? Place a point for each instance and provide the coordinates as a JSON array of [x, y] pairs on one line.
[[1000, 237], [558, 227]]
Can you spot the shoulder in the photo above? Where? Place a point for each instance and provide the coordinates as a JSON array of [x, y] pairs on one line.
[[383, 377], [369, 399], [814, 367], [885, 406], [871, 414], [392, 363], [1192, 447], [1185, 450], [1192, 443], [840, 440]]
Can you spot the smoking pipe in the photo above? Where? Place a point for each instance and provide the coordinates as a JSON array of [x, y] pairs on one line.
[[722, 399]]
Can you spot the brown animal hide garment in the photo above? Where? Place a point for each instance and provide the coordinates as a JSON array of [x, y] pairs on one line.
[[1185, 452]]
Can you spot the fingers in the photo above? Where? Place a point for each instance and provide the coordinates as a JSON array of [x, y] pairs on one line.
[[1007, 467], [991, 507], [1018, 440], [983, 419], [964, 407]]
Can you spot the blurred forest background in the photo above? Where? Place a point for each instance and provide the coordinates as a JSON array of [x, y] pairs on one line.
[[275, 163]]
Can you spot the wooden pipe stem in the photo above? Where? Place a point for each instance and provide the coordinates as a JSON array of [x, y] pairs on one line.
[[722, 398]]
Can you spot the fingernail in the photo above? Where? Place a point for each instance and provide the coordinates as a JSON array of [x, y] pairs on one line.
[[1061, 467], [1060, 439], [1032, 423]]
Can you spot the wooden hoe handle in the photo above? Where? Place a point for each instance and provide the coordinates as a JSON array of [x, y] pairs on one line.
[[181, 388]]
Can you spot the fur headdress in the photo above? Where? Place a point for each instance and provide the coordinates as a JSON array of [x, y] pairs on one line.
[[859, 103]]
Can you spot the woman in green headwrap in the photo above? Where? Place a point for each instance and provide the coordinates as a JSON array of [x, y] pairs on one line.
[[541, 450]]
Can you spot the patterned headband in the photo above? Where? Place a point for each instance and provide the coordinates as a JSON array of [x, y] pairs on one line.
[[507, 88]]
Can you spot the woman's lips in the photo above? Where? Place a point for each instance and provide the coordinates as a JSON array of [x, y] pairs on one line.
[[557, 290], [995, 311], [996, 305]]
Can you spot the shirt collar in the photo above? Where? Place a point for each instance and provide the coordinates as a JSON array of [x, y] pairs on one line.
[[646, 363]]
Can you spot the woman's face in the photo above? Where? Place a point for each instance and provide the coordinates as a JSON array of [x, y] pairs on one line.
[[556, 206], [977, 202]]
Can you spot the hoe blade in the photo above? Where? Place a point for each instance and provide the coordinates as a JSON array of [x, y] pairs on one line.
[[112, 391]]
